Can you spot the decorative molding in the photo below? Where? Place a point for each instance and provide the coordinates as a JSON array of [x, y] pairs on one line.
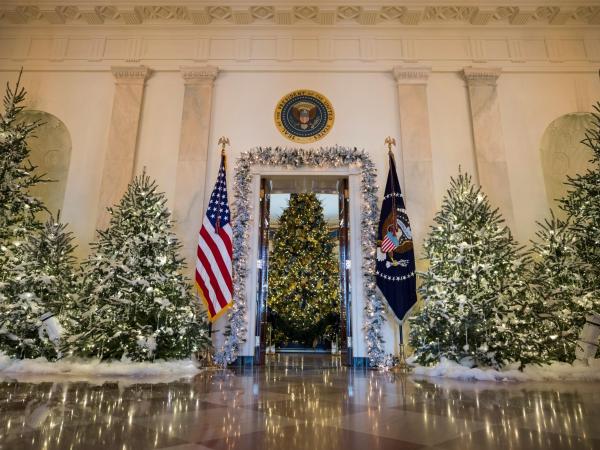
[[481, 76], [515, 51], [548, 49], [553, 48], [226, 12], [482, 16], [522, 15], [134, 50], [130, 74], [477, 50], [409, 51], [592, 49], [411, 75], [199, 74]]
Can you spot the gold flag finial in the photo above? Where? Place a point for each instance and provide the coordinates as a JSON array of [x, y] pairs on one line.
[[389, 141], [223, 141]]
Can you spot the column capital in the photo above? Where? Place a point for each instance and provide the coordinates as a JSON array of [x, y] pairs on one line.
[[130, 74], [411, 74], [199, 74], [481, 75]]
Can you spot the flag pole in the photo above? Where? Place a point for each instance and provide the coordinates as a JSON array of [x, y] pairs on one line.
[[391, 141], [223, 142], [402, 366], [207, 357]]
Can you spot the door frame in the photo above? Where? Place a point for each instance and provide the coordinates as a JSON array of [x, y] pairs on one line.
[[356, 344]]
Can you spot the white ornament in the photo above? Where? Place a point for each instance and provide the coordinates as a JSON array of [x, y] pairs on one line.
[[50, 327]]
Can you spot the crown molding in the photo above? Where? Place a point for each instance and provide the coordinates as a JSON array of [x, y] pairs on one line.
[[367, 14], [301, 48], [232, 67]]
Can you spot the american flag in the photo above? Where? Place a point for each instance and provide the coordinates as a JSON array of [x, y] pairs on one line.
[[213, 264], [389, 243]]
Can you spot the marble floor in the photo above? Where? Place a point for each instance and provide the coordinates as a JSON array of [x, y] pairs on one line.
[[298, 401]]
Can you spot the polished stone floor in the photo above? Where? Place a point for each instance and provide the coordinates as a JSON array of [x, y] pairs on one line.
[[298, 402]]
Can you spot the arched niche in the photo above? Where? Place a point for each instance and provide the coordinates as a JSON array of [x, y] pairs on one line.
[[563, 154], [51, 152]]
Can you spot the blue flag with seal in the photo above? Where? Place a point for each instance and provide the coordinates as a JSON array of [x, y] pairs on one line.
[[395, 267]]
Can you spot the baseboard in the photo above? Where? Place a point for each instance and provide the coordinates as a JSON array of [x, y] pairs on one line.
[[358, 362]]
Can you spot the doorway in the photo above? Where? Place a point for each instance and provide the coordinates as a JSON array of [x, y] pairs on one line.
[[276, 193]]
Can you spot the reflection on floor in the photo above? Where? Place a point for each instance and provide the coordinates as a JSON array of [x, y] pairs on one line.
[[299, 402]]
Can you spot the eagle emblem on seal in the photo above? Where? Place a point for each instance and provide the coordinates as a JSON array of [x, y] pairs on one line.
[[304, 116], [397, 240], [304, 113]]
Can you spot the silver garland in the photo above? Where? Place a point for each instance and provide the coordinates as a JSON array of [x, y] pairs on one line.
[[294, 158]]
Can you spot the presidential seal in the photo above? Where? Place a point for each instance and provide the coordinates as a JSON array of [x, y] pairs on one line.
[[304, 116]]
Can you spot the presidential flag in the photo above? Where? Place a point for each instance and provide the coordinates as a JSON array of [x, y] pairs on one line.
[[213, 264], [395, 267]]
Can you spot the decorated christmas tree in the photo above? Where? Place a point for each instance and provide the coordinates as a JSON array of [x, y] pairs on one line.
[[134, 302], [38, 293], [18, 208], [476, 309], [303, 275]]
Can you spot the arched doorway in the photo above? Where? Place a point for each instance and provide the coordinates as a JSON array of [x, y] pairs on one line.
[[51, 154], [563, 154]]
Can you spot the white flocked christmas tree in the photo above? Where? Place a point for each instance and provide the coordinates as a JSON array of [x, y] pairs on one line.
[[28, 288], [476, 308], [19, 210], [40, 291], [582, 205], [134, 301], [566, 272], [558, 286]]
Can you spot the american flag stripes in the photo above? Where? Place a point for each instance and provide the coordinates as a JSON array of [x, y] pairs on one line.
[[213, 263], [389, 243]]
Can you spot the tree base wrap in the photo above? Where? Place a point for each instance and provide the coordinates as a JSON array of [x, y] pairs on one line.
[[587, 346]]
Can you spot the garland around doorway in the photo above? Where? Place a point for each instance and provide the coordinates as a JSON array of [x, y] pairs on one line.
[[374, 314]]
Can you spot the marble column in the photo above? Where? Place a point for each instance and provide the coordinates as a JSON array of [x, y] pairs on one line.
[[415, 149], [191, 181], [488, 138], [119, 158]]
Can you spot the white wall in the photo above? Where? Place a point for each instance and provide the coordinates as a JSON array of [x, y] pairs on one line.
[[451, 135], [365, 111], [160, 126], [529, 103]]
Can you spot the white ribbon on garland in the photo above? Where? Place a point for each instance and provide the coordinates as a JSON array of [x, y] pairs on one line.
[[374, 314]]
